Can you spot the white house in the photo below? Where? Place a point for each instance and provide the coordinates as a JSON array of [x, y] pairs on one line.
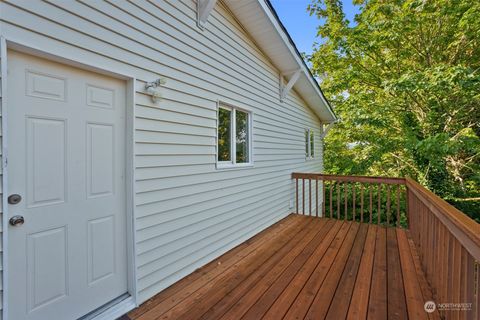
[[140, 140]]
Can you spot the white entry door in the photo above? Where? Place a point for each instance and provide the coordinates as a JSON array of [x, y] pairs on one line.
[[66, 160]]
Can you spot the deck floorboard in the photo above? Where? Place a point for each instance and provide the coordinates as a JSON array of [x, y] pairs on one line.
[[303, 268]]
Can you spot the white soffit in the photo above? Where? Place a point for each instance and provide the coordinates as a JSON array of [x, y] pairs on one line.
[[260, 21]]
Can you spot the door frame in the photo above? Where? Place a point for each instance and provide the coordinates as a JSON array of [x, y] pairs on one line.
[[130, 302]]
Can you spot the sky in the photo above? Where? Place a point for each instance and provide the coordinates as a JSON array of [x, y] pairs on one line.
[[300, 25]]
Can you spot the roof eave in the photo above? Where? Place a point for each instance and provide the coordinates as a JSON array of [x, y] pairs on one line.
[[276, 43]]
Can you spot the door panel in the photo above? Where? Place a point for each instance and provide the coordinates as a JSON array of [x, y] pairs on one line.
[[100, 159], [46, 156], [47, 261], [66, 138], [46, 86], [101, 259]]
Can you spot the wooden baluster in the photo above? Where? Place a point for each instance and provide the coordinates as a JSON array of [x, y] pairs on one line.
[[398, 205], [323, 202], [463, 281], [338, 201], [439, 255], [361, 202], [379, 201], [371, 202], [296, 194], [309, 197], [331, 184], [354, 196], [438, 251], [435, 252], [345, 192], [446, 260], [303, 196], [457, 261], [470, 288], [388, 205], [477, 303], [316, 196], [423, 234], [449, 292], [430, 245]]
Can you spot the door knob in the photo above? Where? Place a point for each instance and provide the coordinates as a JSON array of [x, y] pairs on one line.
[[16, 221]]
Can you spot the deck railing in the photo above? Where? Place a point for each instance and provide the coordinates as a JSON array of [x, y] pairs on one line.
[[447, 241], [358, 198]]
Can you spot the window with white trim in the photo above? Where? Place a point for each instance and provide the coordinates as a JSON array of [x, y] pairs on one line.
[[309, 144], [234, 143]]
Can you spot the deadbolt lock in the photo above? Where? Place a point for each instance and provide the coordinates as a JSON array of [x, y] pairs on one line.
[[14, 198]]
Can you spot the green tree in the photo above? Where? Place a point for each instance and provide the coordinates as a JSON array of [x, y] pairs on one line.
[[405, 82]]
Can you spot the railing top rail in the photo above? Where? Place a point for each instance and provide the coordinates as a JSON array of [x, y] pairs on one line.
[[362, 179], [462, 227]]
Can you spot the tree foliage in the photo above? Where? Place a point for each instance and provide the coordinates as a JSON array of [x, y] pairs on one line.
[[404, 79]]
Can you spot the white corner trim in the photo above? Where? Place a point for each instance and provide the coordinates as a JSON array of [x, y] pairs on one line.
[[4, 66], [325, 131], [204, 8], [285, 89]]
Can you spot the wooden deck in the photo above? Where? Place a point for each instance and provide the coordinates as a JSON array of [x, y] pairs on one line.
[[304, 268]]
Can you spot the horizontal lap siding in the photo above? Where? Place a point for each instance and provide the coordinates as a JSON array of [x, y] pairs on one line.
[[187, 212]]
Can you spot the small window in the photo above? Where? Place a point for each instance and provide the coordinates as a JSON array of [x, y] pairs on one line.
[[312, 144], [309, 144], [233, 137]]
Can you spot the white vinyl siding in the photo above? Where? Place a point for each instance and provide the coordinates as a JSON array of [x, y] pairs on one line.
[[187, 212]]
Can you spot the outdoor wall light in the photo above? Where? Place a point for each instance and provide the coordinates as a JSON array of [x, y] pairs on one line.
[[152, 88]]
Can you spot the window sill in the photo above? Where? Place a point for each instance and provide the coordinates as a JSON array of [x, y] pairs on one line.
[[231, 166]]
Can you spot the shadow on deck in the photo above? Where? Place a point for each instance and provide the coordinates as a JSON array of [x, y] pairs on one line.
[[304, 268]]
